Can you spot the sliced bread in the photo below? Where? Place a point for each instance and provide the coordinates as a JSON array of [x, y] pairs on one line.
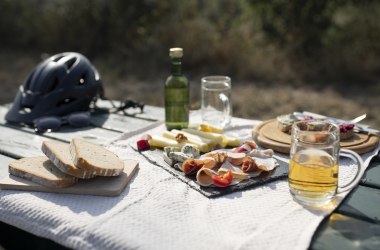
[[91, 156], [59, 153], [41, 170]]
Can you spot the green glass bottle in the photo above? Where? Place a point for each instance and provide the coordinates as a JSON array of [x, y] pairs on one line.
[[176, 93]]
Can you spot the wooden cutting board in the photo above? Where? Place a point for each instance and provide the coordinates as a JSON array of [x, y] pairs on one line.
[[100, 185], [268, 135]]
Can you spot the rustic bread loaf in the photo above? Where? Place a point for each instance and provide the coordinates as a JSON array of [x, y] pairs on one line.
[[41, 170], [91, 156], [59, 153]]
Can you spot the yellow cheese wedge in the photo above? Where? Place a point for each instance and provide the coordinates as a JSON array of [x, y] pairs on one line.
[[209, 128], [216, 138], [160, 142], [196, 138], [202, 145], [229, 141]]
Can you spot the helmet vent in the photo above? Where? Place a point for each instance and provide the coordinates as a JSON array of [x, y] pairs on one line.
[[65, 101], [57, 58], [70, 63]]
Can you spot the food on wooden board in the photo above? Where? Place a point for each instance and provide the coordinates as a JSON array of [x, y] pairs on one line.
[[64, 163], [59, 153], [93, 157], [285, 122], [41, 170], [346, 130]]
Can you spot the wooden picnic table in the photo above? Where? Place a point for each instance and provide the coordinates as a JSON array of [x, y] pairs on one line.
[[355, 224]]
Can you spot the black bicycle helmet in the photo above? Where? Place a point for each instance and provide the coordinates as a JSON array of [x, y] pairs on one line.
[[60, 85]]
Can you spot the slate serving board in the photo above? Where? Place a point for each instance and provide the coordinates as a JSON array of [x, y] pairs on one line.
[[155, 157], [100, 185]]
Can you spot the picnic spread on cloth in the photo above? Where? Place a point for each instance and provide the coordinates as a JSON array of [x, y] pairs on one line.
[[163, 209]]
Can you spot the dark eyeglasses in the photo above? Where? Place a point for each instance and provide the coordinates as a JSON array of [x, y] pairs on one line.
[[53, 123]]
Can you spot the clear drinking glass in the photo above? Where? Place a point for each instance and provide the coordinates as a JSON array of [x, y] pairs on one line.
[[216, 100], [314, 163]]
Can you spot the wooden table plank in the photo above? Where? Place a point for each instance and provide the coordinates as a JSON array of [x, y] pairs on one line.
[[17, 144], [362, 203], [119, 122], [343, 232], [4, 161], [107, 127], [24, 142], [152, 113], [90, 133], [96, 135]]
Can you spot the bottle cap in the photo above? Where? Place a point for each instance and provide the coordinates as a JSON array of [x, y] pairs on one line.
[[176, 52]]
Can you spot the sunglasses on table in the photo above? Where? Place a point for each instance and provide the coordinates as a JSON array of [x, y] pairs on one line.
[[53, 123]]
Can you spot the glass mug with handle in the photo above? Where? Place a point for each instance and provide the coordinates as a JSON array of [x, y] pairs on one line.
[[216, 105], [314, 163]]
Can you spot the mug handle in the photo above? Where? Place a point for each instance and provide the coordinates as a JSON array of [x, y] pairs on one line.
[[353, 155], [226, 106]]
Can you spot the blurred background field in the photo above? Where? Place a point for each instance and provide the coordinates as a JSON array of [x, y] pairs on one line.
[[282, 56]]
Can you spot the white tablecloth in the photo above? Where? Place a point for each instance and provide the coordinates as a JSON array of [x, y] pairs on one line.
[[158, 211]]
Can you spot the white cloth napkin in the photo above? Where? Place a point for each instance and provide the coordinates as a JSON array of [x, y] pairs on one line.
[[158, 211]]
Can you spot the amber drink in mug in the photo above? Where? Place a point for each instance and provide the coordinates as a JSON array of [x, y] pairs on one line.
[[314, 163], [216, 100]]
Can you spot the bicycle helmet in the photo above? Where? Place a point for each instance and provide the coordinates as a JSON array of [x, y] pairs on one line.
[[60, 85]]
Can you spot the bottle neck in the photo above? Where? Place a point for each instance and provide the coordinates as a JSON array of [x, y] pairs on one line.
[[176, 66]]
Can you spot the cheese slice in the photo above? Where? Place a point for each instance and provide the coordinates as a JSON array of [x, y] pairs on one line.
[[203, 146], [216, 138], [161, 142]]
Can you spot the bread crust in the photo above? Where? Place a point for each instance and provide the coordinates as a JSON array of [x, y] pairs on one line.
[[83, 162], [33, 169], [49, 148]]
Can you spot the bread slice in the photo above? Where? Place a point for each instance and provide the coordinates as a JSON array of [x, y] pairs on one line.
[[59, 153], [41, 170], [91, 156]]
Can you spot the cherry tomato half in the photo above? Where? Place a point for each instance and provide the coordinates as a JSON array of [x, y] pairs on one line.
[[223, 180]]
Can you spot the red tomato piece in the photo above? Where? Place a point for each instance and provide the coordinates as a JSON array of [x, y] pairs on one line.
[[223, 180]]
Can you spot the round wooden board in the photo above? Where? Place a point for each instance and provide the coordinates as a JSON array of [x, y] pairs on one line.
[[268, 135]]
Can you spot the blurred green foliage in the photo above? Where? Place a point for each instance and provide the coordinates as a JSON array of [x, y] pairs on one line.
[[258, 39]]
